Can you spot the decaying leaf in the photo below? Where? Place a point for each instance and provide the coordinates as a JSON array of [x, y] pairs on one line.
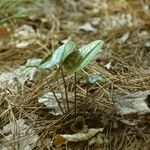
[[124, 38], [49, 100], [147, 44], [4, 32], [95, 77], [99, 139], [23, 44], [87, 27], [133, 103], [18, 130], [108, 65], [117, 21], [19, 76], [65, 138], [25, 35], [59, 140], [24, 32]]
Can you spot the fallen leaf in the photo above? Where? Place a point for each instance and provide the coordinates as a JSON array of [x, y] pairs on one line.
[[147, 44], [4, 32], [80, 136], [19, 76], [99, 139], [108, 65], [25, 35], [28, 138], [94, 78], [23, 44], [59, 140], [117, 21], [87, 27], [49, 100], [124, 38], [24, 32], [133, 103]]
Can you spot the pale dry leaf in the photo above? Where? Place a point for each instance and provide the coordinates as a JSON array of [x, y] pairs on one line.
[[147, 44], [133, 103], [19, 76], [143, 35], [25, 36], [78, 137], [108, 65], [23, 44], [87, 27], [99, 139], [49, 100], [19, 129], [124, 38], [117, 21], [24, 32]]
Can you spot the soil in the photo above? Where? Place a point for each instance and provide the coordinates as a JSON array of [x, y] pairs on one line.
[[124, 26]]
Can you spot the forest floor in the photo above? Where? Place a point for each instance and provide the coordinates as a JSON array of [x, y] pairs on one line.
[[117, 110]]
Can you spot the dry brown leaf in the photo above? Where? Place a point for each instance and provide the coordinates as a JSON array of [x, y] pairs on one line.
[[59, 140], [65, 138], [4, 32]]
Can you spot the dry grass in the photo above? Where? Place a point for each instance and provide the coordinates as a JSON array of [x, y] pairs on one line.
[[129, 72]]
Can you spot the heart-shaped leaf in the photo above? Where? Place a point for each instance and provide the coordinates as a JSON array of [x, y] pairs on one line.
[[58, 56], [71, 62], [88, 53], [79, 59]]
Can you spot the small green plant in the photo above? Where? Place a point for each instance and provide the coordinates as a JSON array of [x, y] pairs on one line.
[[73, 61]]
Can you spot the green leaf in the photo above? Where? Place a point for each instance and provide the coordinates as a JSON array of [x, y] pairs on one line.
[[71, 62], [79, 59], [58, 56], [94, 78], [88, 53]]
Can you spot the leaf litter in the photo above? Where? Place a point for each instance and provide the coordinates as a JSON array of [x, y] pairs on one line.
[[87, 27], [27, 135], [19, 76], [50, 101], [128, 72], [136, 103]]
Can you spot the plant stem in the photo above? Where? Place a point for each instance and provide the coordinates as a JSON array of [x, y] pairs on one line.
[[75, 93], [86, 96], [62, 95], [52, 90], [65, 87]]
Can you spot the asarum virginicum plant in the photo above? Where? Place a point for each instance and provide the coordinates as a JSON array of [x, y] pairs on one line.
[[73, 61]]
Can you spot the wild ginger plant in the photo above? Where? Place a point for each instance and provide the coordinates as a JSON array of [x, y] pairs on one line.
[[73, 61], [79, 59]]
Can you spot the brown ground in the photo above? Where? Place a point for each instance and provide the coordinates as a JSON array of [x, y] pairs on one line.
[[129, 72]]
